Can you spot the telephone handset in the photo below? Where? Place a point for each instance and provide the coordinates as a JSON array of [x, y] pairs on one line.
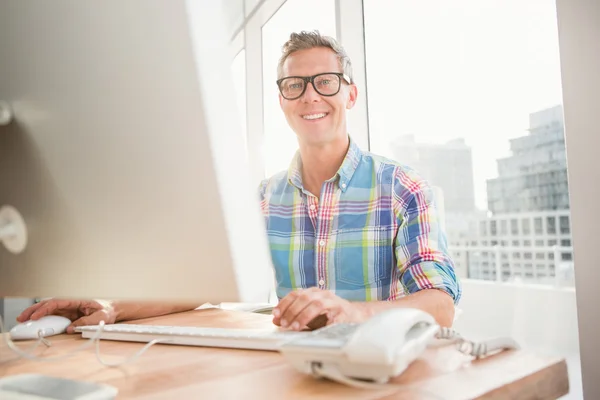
[[376, 350]]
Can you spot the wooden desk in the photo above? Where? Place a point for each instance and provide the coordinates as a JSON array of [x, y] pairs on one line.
[[183, 372]]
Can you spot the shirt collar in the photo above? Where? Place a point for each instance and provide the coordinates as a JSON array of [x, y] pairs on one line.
[[344, 173]]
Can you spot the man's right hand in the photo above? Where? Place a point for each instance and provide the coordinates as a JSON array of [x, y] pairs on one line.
[[80, 312]]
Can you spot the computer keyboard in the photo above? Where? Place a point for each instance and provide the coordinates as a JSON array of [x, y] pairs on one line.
[[333, 335]]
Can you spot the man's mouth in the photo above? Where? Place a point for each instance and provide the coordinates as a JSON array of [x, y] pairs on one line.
[[315, 116]]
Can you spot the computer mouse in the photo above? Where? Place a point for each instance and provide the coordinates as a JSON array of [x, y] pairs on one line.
[[46, 326]]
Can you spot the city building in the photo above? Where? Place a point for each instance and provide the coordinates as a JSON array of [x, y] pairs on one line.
[[527, 234], [448, 166], [534, 177], [523, 245]]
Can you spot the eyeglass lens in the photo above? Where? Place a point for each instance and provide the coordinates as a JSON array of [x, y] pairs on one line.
[[325, 85]]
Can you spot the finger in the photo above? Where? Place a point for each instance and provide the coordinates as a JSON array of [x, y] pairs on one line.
[[54, 307], [283, 305], [93, 319], [289, 318], [288, 300], [309, 313], [26, 314]]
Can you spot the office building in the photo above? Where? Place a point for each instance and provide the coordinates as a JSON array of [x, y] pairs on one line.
[[529, 212], [534, 177], [448, 166], [523, 245]]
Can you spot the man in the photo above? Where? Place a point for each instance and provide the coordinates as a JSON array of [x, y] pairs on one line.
[[359, 232], [351, 233]]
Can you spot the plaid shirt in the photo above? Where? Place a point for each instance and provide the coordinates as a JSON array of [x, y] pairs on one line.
[[372, 235]]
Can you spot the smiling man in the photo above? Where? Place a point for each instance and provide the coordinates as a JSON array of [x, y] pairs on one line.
[[351, 233]]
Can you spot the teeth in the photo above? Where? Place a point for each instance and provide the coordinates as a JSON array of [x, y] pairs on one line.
[[314, 116]]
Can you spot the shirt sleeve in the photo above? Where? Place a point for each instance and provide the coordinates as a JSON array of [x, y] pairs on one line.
[[421, 248]]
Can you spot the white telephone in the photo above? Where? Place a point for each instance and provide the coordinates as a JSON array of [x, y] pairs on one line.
[[376, 350]]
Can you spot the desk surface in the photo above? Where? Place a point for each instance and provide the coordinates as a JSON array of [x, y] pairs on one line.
[[168, 371]]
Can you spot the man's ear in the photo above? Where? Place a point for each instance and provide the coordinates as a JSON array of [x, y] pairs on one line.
[[280, 101], [352, 95]]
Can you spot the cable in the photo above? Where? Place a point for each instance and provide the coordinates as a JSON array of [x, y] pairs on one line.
[[132, 357], [27, 354], [476, 349], [96, 338]]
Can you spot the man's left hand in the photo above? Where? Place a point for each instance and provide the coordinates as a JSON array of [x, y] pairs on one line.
[[296, 310]]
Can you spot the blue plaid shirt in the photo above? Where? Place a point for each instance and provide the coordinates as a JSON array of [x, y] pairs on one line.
[[373, 234]]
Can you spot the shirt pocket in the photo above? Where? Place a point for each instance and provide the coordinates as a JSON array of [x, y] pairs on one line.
[[364, 256]]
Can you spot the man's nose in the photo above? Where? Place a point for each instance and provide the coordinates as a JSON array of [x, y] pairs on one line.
[[310, 94]]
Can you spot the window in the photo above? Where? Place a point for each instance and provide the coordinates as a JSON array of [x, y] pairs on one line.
[[514, 227], [503, 227], [468, 103], [538, 226], [450, 57], [526, 230], [551, 225], [280, 142], [565, 228]]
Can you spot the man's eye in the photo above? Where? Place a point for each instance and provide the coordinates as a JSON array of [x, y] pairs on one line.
[[294, 86], [324, 82]]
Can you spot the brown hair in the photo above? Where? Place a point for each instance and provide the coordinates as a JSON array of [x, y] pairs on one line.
[[309, 40]]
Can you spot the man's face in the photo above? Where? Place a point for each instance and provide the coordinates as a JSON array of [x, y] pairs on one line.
[[317, 119]]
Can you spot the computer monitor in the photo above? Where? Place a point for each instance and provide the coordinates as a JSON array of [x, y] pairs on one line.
[[125, 156]]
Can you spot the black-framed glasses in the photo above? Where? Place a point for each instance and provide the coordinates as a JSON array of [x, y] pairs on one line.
[[326, 84]]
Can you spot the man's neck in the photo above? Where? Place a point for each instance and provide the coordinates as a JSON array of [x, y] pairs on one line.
[[321, 163]]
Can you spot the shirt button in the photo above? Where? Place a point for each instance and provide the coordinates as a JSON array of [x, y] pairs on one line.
[[312, 207], [322, 243], [343, 186], [321, 282]]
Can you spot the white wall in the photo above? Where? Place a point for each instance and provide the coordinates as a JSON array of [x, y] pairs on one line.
[[540, 318]]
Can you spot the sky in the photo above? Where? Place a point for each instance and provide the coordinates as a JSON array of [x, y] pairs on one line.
[[436, 69]]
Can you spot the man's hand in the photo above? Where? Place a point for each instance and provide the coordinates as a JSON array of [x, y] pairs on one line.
[[80, 312], [296, 310]]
